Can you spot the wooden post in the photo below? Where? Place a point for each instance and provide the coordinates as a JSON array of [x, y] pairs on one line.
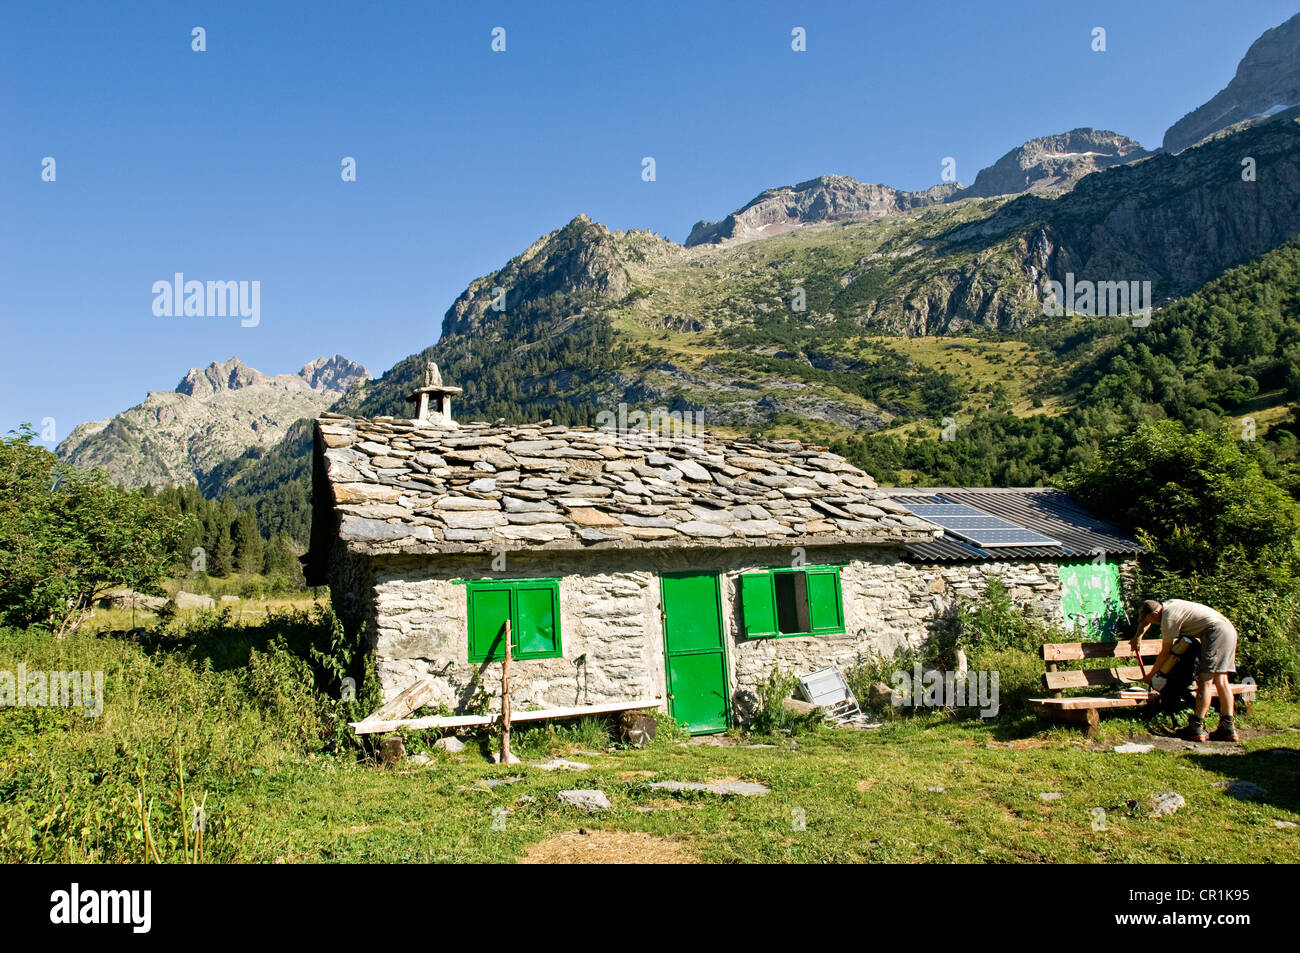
[[505, 757]]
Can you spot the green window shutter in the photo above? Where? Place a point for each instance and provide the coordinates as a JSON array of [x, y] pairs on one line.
[[758, 604], [825, 605], [489, 608], [537, 628]]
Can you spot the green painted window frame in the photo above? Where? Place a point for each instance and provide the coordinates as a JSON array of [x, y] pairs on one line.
[[760, 613], [518, 592]]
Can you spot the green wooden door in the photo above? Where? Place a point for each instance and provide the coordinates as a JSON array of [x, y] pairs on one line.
[[695, 652]]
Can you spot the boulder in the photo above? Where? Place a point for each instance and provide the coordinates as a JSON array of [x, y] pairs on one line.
[[881, 695], [127, 598], [190, 600], [1246, 790], [742, 788], [797, 707]]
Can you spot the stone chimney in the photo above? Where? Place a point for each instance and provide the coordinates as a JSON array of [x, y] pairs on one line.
[[433, 400]]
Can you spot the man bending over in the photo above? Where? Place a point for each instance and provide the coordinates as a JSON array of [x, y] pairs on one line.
[[1218, 638]]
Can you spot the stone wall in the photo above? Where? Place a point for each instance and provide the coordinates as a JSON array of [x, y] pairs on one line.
[[611, 629], [351, 580], [889, 605]]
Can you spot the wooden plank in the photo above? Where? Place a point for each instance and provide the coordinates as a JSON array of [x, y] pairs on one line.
[[1076, 651], [1084, 702], [369, 727], [1086, 677], [414, 696], [1052, 668], [1115, 701], [504, 756]]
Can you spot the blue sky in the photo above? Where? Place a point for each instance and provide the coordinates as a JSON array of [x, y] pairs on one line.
[[225, 164]]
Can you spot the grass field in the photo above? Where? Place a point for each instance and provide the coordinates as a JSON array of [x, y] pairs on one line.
[[231, 720], [909, 793]]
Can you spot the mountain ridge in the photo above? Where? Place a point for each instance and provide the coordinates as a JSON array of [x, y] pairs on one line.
[[1266, 80], [213, 414]]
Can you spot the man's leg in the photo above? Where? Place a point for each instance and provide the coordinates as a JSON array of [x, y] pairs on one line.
[[1220, 657], [1202, 705], [1195, 730], [1221, 684], [1227, 728]]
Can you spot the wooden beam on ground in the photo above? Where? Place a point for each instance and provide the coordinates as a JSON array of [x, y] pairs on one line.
[[412, 697], [371, 726]]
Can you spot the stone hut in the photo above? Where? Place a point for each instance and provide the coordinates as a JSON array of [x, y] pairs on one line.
[[630, 564]]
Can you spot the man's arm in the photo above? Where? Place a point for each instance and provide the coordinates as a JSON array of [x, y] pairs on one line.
[[1143, 624], [1136, 643], [1160, 660]]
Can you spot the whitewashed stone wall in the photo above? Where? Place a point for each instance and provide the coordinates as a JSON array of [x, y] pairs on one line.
[[610, 613]]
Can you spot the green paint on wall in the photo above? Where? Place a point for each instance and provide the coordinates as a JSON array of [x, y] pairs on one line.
[[1092, 600]]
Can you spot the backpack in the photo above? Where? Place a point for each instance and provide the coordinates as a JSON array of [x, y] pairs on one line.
[[1176, 686]]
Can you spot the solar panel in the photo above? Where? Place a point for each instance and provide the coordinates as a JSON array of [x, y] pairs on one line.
[[978, 527]]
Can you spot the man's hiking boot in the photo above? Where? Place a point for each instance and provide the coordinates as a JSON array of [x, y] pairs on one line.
[[1195, 730], [1227, 731]]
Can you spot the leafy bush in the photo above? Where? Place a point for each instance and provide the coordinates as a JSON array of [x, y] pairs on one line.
[[66, 537], [770, 714], [991, 623], [879, 667]]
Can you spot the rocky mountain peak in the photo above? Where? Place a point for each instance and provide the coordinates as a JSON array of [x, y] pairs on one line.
[[334, 373], [555, 276], [827, 198], [218, 376], [1054, 162], [215, 414], [1267, 81]]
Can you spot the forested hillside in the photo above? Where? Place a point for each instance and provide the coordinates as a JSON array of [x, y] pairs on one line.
[[1228, 355]]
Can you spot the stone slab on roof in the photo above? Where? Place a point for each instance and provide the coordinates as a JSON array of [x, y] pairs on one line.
[[402, 486]]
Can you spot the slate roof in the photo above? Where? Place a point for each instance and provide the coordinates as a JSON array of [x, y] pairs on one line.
[[402, 486], [1045, 510]]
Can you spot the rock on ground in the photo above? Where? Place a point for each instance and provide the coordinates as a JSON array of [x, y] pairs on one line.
[[1247, 790], [559, 764], [743, 788], [1167, 803], [585, 800]]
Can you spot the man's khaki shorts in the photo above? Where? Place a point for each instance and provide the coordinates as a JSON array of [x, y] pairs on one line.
[[1218, 651]]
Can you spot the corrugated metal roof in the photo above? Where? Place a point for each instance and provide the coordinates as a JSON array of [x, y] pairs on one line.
[[1043, 509]]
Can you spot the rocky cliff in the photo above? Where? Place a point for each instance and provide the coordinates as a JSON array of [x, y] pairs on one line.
[[1267, 81]]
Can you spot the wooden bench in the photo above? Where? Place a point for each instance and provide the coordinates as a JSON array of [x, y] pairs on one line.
[[1085, 710]]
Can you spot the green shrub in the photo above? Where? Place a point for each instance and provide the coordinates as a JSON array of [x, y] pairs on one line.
[[879, 667], [770, 714]]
